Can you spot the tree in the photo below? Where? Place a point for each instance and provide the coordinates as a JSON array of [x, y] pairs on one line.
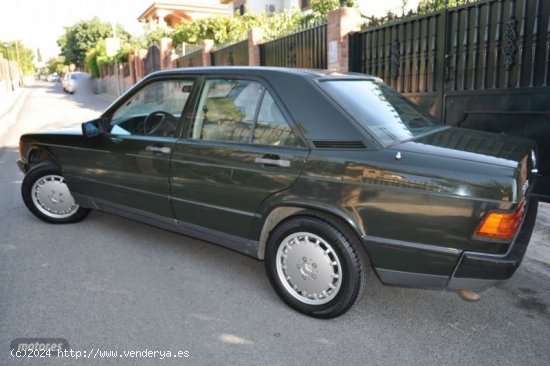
[[17, 52], [426, 6], [321, 8], [55, 64], [84, 36]]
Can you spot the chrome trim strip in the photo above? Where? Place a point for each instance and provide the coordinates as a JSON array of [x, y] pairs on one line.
[[76, 148], [154, 157], [121, 187], [215, 207], [196, 163], [411, 245]]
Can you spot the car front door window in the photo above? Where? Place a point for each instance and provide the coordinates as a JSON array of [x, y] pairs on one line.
[[155, 110]]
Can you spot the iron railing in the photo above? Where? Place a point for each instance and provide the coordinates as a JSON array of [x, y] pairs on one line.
[[235, 54], [303, 49]]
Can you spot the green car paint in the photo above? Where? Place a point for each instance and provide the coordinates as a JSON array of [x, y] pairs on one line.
[[415, 204]]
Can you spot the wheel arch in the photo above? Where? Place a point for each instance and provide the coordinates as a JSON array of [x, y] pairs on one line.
[[282, 212], [37, 155]]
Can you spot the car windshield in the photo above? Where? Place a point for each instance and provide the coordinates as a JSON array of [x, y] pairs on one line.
[[386, 114]]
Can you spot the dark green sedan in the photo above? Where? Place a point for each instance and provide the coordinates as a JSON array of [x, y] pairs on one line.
[[320, 174]]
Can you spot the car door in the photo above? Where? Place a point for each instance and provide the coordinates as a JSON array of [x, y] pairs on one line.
[[133, 173], [240, 150]]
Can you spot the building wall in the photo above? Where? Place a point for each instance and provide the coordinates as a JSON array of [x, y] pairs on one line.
[[380, 8], [367, 7]]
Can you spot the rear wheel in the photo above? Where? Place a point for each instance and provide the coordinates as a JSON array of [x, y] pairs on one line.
[[315, 266], [47, 196]]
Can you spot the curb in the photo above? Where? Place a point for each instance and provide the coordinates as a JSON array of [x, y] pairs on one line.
[[4, 110], [16, 106]]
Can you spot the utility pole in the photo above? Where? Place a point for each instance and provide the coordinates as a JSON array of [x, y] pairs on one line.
[[114, 52], [9, 64], [17, 52]]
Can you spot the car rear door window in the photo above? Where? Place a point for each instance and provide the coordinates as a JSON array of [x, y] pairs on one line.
[[271, 127], [240, 111]]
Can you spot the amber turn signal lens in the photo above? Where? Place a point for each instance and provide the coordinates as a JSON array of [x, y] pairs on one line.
[[499, 225]]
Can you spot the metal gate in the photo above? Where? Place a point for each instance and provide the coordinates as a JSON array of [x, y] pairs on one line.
[[151, 62], [231, 55], [304, 49], [483, 65]]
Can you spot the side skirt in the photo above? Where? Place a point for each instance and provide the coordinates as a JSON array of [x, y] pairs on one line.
[[236, 243], [409, 279]]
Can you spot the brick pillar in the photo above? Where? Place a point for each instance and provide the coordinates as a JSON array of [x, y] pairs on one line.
[[165, 47], [341, 22], [140, 70], [207, 46], [255, 38], [132, 66]]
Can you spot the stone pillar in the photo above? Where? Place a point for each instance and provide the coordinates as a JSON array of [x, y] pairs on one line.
[[341, 22], [207, 46], [255, 38], [165, 48]]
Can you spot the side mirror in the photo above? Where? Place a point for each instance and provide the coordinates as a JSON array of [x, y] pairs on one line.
[[92, 128]]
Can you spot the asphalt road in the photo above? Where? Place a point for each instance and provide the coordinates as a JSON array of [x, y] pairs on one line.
[[110, 284]]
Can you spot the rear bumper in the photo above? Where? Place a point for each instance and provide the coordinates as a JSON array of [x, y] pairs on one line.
[[478, 270]]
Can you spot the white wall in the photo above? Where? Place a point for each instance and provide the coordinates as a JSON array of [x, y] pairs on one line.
[[256, 6], [367, 7], [381, 7]]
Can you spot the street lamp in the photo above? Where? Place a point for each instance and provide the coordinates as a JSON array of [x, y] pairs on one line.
[[9, 65]]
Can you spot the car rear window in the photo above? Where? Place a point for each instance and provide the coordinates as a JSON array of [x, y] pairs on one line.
[[386, 114]]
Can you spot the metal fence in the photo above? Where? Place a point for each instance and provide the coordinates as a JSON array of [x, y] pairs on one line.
[[192, 59], [483, 65], [303, 49], [235, 54]]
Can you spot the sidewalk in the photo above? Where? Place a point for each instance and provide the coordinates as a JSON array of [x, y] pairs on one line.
[[8, 99]]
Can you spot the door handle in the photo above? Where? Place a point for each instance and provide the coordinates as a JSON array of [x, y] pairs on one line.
[[158, 149], [272, 160]]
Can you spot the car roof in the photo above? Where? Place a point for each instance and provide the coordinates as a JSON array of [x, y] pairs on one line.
[[325, 121], [263, 70]]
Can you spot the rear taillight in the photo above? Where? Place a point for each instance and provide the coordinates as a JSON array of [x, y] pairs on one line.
[[20, 147], [500, 225]]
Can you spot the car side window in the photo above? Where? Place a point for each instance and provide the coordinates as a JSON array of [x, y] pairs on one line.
[[240, 111], [271, 127], [226, 110], [155, 110]]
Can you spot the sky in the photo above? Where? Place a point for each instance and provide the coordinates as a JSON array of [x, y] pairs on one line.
[[39, 23]]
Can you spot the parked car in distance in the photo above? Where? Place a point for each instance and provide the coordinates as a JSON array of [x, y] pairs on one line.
[[76, 80], [320, 174], [53, 78]]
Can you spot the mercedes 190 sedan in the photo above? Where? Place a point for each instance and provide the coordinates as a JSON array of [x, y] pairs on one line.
[[320, 174]]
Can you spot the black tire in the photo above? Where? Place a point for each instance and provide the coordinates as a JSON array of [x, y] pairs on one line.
[[45, 205], [292, 269]]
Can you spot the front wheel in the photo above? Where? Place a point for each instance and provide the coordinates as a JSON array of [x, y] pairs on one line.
[[47, 196], [315, 266]]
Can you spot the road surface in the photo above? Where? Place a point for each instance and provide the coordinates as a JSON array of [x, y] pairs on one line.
[[109, 284]]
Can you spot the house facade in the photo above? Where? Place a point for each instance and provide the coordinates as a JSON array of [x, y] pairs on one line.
[[168, 14]]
